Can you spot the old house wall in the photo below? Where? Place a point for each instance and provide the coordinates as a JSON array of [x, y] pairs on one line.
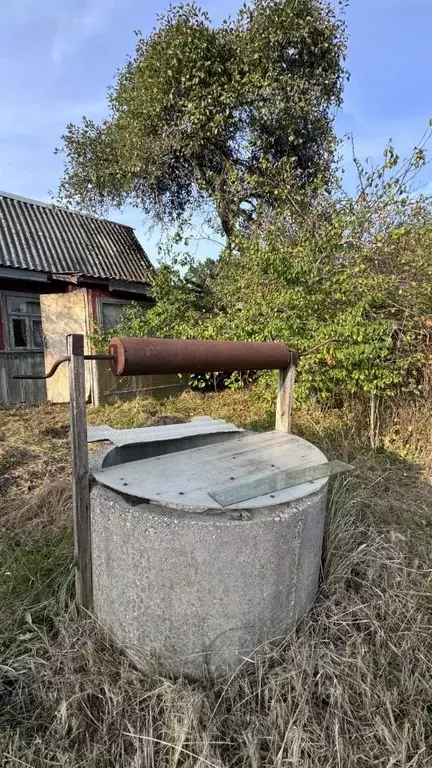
[[20, 359], [65, 310], [62, 314]]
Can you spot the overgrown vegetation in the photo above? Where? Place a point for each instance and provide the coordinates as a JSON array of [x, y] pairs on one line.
[[199, 114], [351, 281], [351, 687]]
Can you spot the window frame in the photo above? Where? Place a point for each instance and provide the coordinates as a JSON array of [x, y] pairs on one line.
[[108, 300], [8, 316]]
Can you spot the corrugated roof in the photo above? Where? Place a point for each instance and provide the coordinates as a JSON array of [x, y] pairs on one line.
[[48, 238]]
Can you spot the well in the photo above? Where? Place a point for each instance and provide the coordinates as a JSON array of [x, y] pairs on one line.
[[179, 575], [197, 542]]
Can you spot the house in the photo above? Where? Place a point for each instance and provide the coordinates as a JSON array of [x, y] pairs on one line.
[[61, 272]]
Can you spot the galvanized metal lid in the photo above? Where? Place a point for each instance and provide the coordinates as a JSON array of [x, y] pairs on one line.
[[200, 425], [247, 470]]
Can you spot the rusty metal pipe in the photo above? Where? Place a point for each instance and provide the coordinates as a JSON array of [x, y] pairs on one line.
[[98, 357], [133, 356]]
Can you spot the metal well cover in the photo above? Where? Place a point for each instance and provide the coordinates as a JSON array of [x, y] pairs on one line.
[[187, 479], [200, 425]]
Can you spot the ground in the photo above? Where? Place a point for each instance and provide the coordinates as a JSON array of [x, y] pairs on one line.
[[351, 687]]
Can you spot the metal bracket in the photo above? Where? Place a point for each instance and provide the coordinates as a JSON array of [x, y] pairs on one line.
[[64, 359]]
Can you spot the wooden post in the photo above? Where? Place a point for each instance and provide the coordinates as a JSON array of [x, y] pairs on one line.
[[285, 396], [80, 474]]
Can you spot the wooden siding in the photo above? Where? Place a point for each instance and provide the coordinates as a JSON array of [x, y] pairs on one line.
[[14, 391]]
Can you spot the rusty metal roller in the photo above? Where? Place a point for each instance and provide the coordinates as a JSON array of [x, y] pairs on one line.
[[133, 356]]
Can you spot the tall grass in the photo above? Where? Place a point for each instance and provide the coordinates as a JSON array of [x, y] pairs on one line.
[[350, 688]]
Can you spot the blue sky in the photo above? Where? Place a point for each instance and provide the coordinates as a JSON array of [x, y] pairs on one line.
[[58, 56]]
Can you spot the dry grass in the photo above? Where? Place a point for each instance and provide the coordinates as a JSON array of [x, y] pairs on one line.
[[34, 465], [351, 688]]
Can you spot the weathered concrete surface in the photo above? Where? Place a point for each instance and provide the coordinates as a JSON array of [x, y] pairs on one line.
[[203, 590]]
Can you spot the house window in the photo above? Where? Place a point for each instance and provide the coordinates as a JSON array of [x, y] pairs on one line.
[[110, 312], [24, 321]]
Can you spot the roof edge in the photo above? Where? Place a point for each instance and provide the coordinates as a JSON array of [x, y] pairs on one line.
[[53, 206], [30, 273]]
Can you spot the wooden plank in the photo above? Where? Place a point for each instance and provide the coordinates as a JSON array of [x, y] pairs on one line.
[[23, 274], [62, 314], [35, 391], [40, 390], [80, 475], [16, 362], [140, 288], [16, 386], [285, 397], [29, 367], [4, 396]]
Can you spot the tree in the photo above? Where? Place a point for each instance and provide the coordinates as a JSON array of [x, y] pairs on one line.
[[224, 115]]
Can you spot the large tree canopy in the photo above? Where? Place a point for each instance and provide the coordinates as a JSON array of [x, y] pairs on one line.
[[215, 114]]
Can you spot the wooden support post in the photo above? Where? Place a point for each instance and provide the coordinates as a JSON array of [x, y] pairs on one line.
[[285, 396], [80, 474]]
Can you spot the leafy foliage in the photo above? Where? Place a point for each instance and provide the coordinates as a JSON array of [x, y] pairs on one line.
[[223, 115], [355, 274]]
